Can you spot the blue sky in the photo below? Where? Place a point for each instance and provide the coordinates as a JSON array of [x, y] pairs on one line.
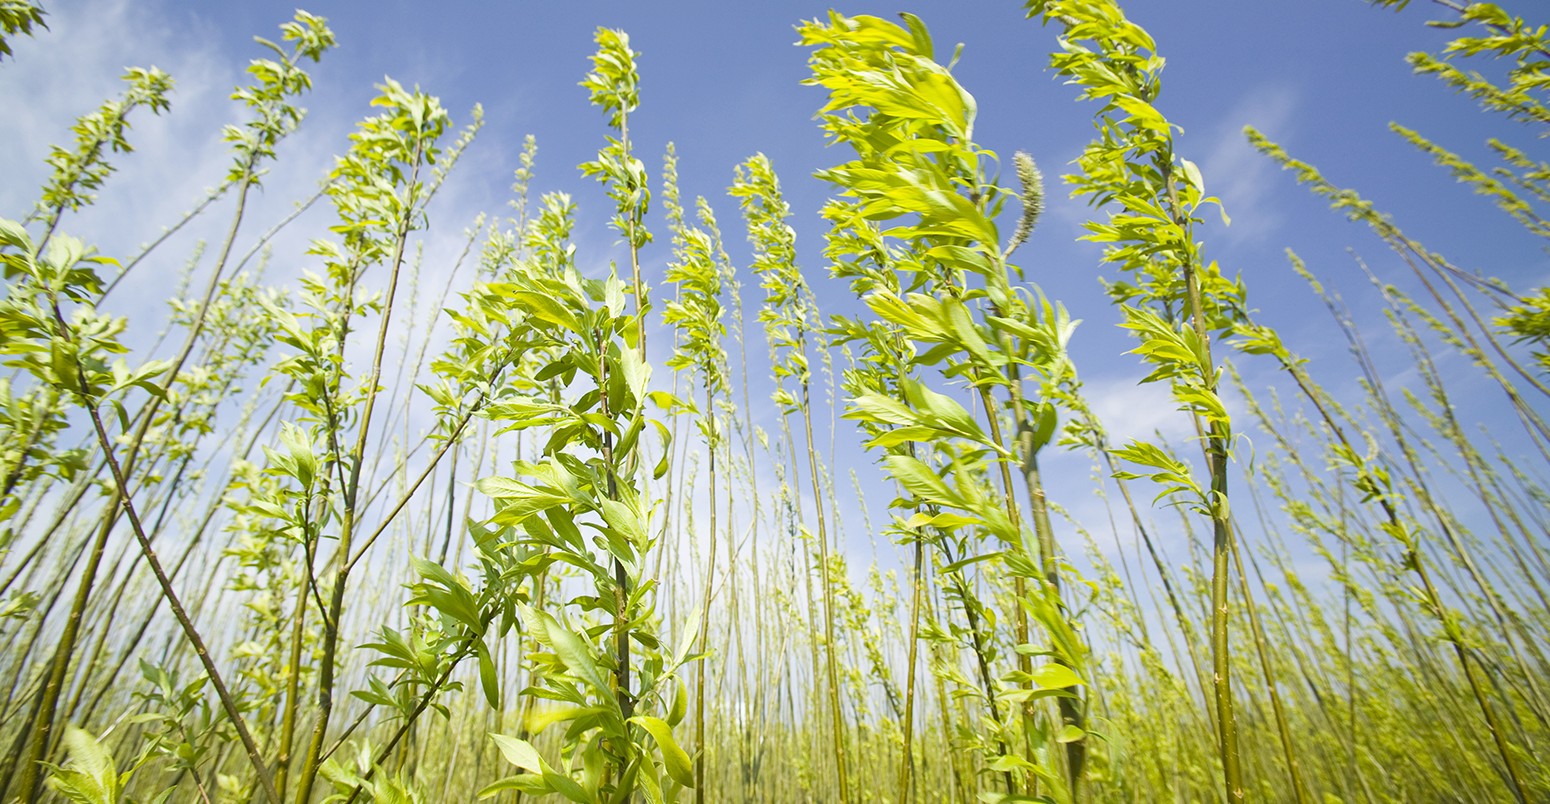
[[721, 79]]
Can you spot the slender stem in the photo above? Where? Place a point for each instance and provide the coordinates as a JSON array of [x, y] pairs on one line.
[[121, 483], [907, 761], [710, 575], [326, 667], [1221, 528], [835, 713]]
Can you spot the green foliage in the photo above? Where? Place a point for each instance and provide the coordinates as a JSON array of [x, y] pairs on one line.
[[61, 360], [363, 778], [697, 314], [585, 481], [1172, 298], [1530, 322], [1504, 36], [788, 312], [269, 98], [80, 170], [90, 776], [614, 85], [914, 231], [18, 17], [487, 571], [595, 414]]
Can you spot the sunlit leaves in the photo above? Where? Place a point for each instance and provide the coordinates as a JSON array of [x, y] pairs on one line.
[[18, 17], [269, 98], [585, 385], [614, 85], [673, 757], [369, 780], [788, 309], [89, 776], [697, 313], [77, 172], [899, 77], [922, 415], [1530, 322], [539, 778], [914, 232]]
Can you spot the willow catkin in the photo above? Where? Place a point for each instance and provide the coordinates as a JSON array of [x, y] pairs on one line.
[[1033, 200]]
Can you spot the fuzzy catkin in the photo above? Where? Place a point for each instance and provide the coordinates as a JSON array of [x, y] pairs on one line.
[[1033, 199]]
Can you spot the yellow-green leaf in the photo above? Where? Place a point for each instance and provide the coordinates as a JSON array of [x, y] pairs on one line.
[[675, 758]]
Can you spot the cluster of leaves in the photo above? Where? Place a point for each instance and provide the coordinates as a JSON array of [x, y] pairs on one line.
[[50, 276], [959, 380], [585, 480], [18, 17], [915, 232], [788, 309], [605, 677]]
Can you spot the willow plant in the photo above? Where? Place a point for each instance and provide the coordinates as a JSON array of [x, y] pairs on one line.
[[595, 437], [377, 219], [696, 317], [1173, 300], [589, 477], [788, 315], [487, 366], [77, 173], [614, 84], [911, 126]]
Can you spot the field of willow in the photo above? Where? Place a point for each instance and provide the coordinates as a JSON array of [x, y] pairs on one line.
[[400, 527]]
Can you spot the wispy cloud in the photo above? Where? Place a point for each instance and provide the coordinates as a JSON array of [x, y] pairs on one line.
[[1131, 410], [68, 70], [1239, 175]]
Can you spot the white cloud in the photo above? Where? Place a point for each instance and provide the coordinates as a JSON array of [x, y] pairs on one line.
[[1131, 410], [70, 69], [1238, 174]]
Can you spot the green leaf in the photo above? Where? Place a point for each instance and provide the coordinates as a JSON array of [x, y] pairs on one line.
[[919, 480], [575, 653], [680, 705], [546, 309], [942, 411], [89, 776], [14, 235], [522, 782], [1192, 173], [677, 761], [1056, 677], [637, 372], [520, 753], [445, 594], [488, 679], [541, 719], [920, 34], [567, 787], [518, 500], [1044, 425], [686, 641]]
